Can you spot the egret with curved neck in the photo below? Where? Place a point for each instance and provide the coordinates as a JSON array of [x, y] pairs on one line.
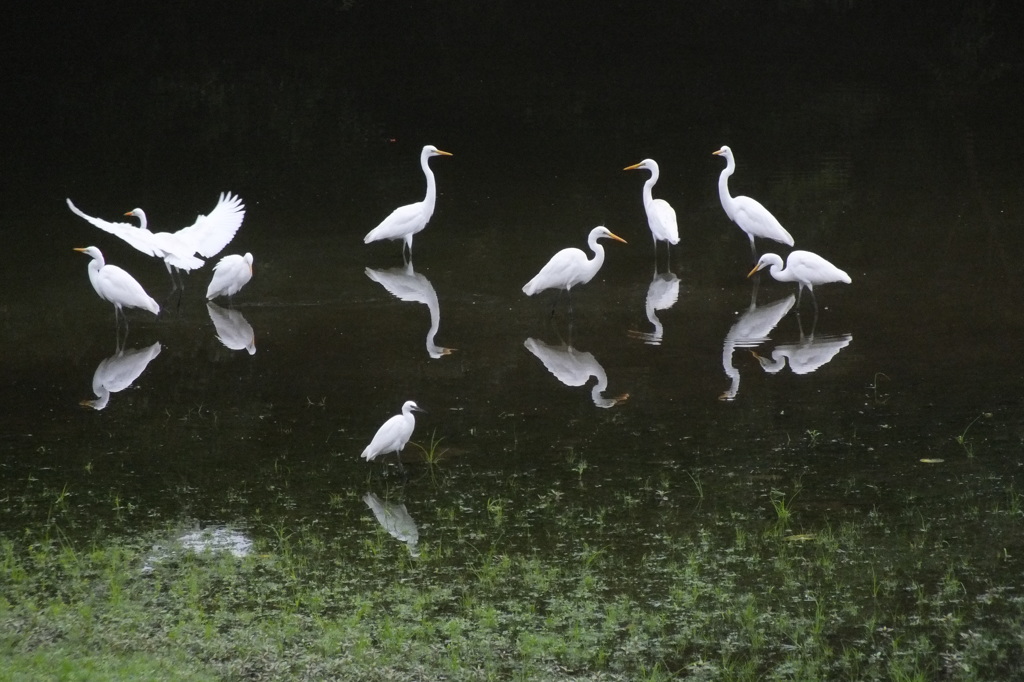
[[405, 221], [803, 267], [749, 214], [570, 267], [661, 217]]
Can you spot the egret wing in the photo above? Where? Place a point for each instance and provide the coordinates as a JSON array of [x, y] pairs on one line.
[[132, 234], [211, 233]]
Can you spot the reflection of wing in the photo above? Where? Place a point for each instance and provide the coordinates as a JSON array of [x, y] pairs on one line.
[[574, 368], [807, 355], [233, 330], [662, 294], [395, 519], [118, 372], [406, 284]]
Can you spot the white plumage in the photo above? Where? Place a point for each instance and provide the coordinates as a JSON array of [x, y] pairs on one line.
[[803, 267], [115, 285], [406, 221], [393, 435], [749, 214], [207, 236], [661, 217], [230, 274]]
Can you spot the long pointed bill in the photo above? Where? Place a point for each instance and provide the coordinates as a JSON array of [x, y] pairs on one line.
[[717, 152], [617, 238], [756, 268], [634, 166], [438, 151], [80, 249]]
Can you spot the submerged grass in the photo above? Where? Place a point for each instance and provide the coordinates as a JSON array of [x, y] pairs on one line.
[[560, 588]]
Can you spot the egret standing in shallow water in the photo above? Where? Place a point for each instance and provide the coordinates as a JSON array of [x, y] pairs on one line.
[[116, 286], [661, 217], [229, 276], [570, 267], [405, 221], [749, 214], [803, 267], [393, 435]]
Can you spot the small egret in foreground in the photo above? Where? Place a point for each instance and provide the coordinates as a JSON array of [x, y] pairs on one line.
[[405, 221], [116, 286], [230, 274], [749, 214], [570, 267], [661, 217], [803, 267], [394, 434]]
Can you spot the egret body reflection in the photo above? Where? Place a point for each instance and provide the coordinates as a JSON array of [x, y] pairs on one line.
[[574, 368], [406, 284], [395, 519], [807, 355], [118, 372], [233, 330], [749, 331], [662, 294]]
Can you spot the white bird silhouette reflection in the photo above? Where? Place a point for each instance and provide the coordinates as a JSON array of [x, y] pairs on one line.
[[750, 331], [406, 284], [574, 368], [807, 355], [233, 330], [395, 519], [662, 294], [118, 372]]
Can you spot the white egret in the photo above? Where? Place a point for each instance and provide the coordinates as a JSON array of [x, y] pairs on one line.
[[230, 274], [749, 214], [116, 286], [803, 267], [570, 267], [661, 217], [207, 236], [393, 435], [405, 221]]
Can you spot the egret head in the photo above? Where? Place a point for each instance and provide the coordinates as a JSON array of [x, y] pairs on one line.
[[724, 151], [647, 164], [431, 150]]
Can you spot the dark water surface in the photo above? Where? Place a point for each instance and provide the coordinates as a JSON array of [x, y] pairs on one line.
[[893, 164]]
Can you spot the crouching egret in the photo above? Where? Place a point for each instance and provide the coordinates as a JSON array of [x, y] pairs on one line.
[[570, 267], [393, 435], [803, 267], [749, 214], [661, 217], [229, 276], [207, 236], [405, 221], [116, 286]]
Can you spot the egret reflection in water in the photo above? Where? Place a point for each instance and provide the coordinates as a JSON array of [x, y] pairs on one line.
[[210, 539], [118, 372], [749, 331], [662, 294], [574, 368], [395, 519], [233, 330], [806, 355], [406, 284]]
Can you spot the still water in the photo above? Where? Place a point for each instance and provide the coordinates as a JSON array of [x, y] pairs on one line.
[[225, 415]]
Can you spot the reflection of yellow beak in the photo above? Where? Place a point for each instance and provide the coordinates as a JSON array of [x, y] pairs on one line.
[[633, 167], [756, 268], [617, 238]]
